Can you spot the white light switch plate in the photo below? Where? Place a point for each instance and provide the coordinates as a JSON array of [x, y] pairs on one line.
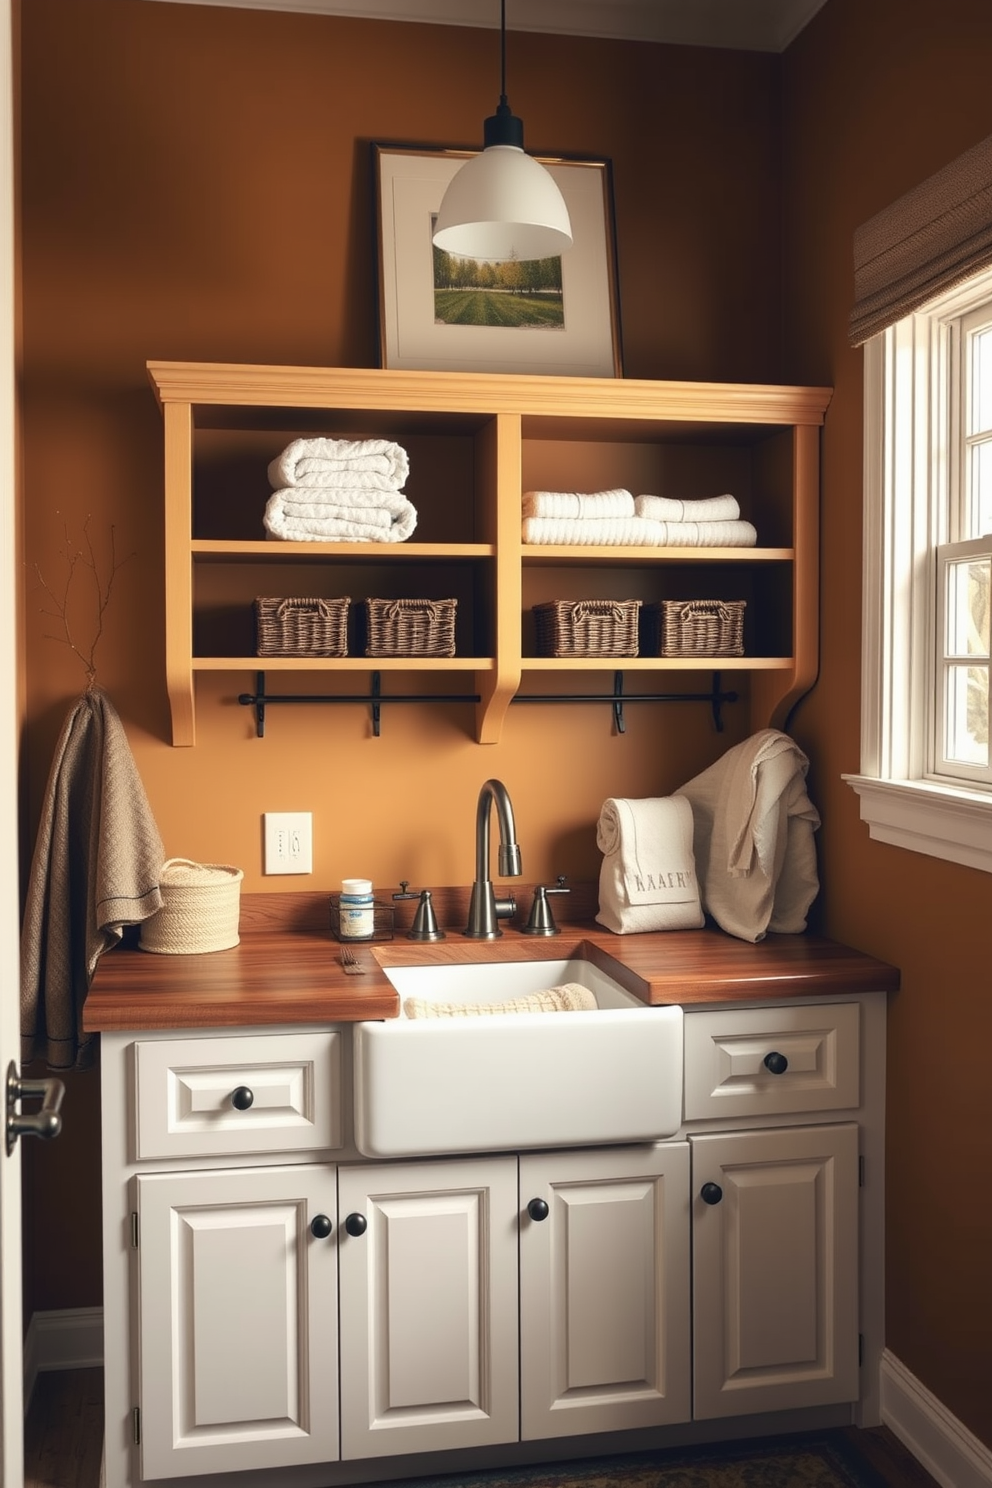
[[288, 841]]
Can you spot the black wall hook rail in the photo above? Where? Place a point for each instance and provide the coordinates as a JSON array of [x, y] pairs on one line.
[[374, 698], [715, 697]]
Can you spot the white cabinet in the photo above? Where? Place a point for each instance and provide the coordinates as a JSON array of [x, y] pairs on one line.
[[775, 1269], [604, 1290], [237, 1298], [497, 1299], [428, 1305]]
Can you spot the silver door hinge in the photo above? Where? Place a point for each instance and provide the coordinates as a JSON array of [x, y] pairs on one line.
[[136, 1425], [134, 1229]]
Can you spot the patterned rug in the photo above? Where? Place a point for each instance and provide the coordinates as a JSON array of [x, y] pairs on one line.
[[820, 1461]]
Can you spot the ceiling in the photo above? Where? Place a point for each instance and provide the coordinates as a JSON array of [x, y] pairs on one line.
[[744, 25]]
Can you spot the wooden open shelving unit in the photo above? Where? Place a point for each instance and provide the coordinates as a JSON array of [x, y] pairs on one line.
[[476, 442]]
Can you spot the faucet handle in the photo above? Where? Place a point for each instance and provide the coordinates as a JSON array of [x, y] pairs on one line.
[[425, 926], [405, 886], [541, 920]]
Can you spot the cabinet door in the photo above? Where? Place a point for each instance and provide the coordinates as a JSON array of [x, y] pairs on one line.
[[604, 1289], [238, 1320], [775, 1269], [428, 1306]]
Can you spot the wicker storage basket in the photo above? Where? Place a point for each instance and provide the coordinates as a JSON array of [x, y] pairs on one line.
[[587, 627], [698, 627], [301, 627], [200, 912], [410, 627]]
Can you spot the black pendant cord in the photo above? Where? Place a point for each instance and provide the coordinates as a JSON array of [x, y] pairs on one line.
[[502, 53]]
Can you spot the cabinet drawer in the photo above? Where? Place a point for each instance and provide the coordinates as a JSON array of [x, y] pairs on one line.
[[289, 1095], [731, 1068]]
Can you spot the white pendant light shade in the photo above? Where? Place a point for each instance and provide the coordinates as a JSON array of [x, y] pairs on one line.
[[503, 205]]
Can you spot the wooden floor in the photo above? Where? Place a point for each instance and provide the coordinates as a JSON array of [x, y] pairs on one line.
[[64, 1435]]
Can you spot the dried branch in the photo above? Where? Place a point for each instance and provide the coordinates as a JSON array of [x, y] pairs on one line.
[[85, 556]]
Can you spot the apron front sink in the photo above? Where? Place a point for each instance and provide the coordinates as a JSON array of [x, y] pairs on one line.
[[514, 1080]]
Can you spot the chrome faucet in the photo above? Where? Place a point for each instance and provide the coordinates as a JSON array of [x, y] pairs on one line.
[[485, 910]]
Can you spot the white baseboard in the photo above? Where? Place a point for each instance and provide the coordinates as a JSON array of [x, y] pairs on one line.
[[68, 1339], [938, 1440]]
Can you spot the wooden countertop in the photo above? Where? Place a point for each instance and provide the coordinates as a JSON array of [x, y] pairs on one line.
[[286, 968]]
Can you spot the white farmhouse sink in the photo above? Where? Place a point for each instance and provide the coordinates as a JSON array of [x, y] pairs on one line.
[[513, 1080]]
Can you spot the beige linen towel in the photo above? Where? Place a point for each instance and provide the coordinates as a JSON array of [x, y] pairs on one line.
[[570, 997], [95, 869], [753, 837], [647, 880]]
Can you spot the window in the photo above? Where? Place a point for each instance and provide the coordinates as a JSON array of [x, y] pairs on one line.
[[926, 767]]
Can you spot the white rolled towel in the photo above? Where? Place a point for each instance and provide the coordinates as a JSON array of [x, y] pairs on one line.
[[669, 509], [614, 503], [707, 534], [333, 527], [306, 462], [753, 837], [647, 879]]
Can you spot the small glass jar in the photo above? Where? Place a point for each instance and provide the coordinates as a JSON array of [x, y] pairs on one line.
[[356, 909]]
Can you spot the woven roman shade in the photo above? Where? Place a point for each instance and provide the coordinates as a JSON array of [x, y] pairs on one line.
[[931, 239]]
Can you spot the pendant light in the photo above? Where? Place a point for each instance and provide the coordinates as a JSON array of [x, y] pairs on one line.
[[502, 204]]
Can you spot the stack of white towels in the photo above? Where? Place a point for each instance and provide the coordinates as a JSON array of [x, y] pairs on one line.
[[340, 490], [617, 518]]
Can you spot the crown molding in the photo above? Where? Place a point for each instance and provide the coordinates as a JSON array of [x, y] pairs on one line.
[[742, 25]]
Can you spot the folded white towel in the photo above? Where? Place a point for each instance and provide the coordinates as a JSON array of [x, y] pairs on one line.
[[637, 532], [588, 531], [320, 512], [293, 526], [570, 997], [647, 879], [708, 534], [305, 501], [615, 503], [366, 483], [306, 462], [753, 837], [668, 509]]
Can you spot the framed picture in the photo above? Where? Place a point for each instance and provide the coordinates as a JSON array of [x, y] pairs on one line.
[[555, 316]]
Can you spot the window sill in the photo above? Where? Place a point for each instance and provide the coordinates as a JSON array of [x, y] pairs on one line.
[[948, 822]]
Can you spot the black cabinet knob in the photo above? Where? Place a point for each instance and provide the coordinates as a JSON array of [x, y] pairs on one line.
[[356, 1224], [320, 1226], [711, 1193], [776, 1063], [242, 1098], [537, 1209]]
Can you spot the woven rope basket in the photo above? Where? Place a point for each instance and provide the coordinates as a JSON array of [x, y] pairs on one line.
[[587, 627], [200, 911]]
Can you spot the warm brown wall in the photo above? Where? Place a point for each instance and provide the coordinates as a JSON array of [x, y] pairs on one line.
[[876, 97], [196, 186]]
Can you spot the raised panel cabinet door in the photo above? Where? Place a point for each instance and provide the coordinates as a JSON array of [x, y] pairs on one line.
[[237, 1286], [604, 1290], [775, 1269], [428, 1306]]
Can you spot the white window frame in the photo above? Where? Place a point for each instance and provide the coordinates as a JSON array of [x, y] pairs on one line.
[[908, 440]]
